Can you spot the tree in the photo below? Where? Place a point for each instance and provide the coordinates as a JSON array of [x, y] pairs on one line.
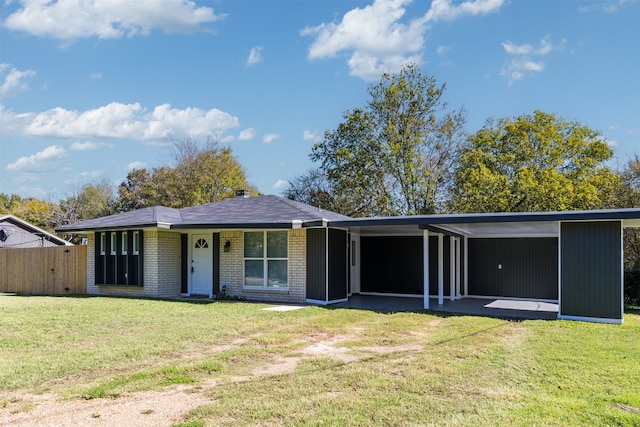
[[534, 163], [314, 188], [393, 157], [92, 201], [201, 175], [629, 197]]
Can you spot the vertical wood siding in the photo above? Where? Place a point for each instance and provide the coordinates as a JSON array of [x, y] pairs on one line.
[[59, 270], [392, 264], [316, 264], [338, 262], [591, 270], [184, 265], [529, 267]]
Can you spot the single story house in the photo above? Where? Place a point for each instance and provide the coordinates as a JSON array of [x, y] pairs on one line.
[[268, 248], [16, 233]]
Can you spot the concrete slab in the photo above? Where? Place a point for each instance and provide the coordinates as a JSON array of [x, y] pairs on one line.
[[499, 307]]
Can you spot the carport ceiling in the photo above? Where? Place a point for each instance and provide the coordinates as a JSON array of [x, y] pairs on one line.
[[520, 229]]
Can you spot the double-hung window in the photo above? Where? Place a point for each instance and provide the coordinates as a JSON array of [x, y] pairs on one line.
[[266, 259]]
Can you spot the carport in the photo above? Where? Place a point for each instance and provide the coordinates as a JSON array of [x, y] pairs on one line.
[[573, 259]]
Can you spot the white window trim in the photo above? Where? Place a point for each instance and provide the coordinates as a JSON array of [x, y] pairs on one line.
[[265, 264], [135, 250], [125, 242], [103, 242], [114, 242]]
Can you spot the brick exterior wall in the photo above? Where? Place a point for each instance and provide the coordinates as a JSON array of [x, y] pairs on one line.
[[161, 267], [232, 269], [162, 262]]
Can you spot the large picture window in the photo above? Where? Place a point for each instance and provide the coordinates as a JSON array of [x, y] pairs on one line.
[[266, 259]]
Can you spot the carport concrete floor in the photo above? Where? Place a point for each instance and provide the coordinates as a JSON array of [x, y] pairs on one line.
[[523, 309]]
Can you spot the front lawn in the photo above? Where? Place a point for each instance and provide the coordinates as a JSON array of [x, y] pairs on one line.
[[322, 366]]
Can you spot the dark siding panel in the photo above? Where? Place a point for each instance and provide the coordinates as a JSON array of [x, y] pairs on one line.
[[529, 267], [216, 263], [337, 264], [433, 265], [591, 259], [184, 265], [140, 263], [100, 261], [135, 262], [316, 264], [110, 278], [392, 264], [122, 261]]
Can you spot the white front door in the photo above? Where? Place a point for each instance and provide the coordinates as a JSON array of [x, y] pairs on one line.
[[201, 264]]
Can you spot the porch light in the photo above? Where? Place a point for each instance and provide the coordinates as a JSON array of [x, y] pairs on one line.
[[227, 245]]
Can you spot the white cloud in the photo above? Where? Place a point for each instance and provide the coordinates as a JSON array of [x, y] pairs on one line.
[[255, 56], [609, 6], [89, 145], [135, 165], [247, 134], [13, 81], [307, 135], [441, 50], [96, 76], [444, 10], [270, 137], [123, 121], [280, 184], [522, 63], [377, 39], [42, 161], [107, 19]]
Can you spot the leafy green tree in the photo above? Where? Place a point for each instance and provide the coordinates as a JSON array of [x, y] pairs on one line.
[[393, 157], [629, 197], [201, 175], [314, 188], [534, 163], [92, 201]]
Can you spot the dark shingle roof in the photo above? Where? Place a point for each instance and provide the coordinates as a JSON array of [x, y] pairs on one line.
[[250, 212]]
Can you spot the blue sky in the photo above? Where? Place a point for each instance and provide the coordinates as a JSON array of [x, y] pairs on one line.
[[90, 89]]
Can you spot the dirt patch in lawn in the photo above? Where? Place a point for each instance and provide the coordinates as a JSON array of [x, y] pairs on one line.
[[167, 407]]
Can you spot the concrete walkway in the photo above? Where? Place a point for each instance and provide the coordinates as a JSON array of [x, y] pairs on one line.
[[497, 307]]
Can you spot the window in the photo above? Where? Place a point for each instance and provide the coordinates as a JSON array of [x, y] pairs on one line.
[[103, 243], [125, 241], [136, 243], [265, 265], [120, 263], [113, 243]]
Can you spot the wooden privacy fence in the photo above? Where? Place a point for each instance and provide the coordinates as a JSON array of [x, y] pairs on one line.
[[60, 270]]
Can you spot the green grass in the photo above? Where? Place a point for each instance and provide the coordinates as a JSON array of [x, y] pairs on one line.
[[392, 369]]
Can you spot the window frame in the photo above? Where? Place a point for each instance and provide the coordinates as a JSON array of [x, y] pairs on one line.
[[114, 243], [125, 242], [265, 261], [135, 249], [103, 243]]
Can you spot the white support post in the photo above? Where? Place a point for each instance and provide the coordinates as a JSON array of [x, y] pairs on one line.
[[457, 239], [452, 268], [466, 266], [440, 268], [425, 272]]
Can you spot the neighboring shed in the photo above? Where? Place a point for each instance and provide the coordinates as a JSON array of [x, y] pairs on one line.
[[16, 233]]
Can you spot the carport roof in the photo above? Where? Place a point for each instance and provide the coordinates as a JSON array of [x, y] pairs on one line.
[[478, 224]]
